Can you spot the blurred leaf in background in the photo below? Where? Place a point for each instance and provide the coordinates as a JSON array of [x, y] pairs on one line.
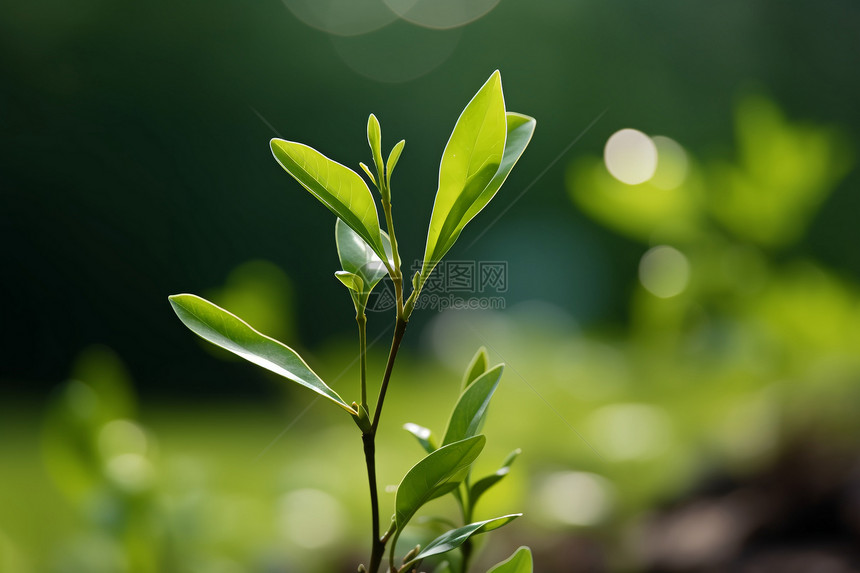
[[782, 174], [262, 293], [104, 462]]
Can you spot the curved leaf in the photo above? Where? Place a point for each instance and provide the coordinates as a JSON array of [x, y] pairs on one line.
[[374, 140], [456, 537], [470, 160], [338, 187], [482, 485], [435, 475], [357, 257], [459, 198], [393, 158], [519, 562], [479, 364], [469, 414], [366, 170], [423, 435], [350, 280], [520, 129], [231, 333]]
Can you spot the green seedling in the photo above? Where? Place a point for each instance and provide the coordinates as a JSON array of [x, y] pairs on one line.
[[486, 143]]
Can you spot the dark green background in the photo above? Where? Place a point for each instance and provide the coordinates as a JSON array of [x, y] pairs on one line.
[[134, 164]]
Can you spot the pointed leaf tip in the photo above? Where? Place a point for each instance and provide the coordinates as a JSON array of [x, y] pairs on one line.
[[519, 562], [351, 281], [477, 366], [482, 485], [393, 158], [374, 140], [470, 413], [423, 435], [367, 171], [214, 324], [456, 537], [484, 146]]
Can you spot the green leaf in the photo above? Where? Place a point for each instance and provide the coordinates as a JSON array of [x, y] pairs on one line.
[[469, 414], [482, 485], [451, 486], [443, 567], [520, 129], [784, 172], [338, 187], [434, 476], [519, 562], [479, 364], [231, 333], [456, 537], [471, 158], [484, 147], [362, 419], [366, 169], [374, 139], [357, 257], [423, 435], [393, 158], [352, 281], [640, 211]]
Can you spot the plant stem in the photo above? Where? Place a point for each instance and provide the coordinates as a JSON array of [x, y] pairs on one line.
[[391, 552], [361, 319], [466, 505], [399, 330], [466, 550], [397, 275], [377, 545]]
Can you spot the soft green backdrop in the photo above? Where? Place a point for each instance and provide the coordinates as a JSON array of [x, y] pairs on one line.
[[134, 164]]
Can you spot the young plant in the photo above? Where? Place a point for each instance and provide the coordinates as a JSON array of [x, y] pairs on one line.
[[485, 145]]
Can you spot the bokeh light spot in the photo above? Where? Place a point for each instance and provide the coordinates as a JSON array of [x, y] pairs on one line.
[[441, 14], [121, 437], [575, 498], [672, 163], [630, 156], [623, 432], [664, 271], [342, 17], [419, 51], [311, 518], [131, 472]]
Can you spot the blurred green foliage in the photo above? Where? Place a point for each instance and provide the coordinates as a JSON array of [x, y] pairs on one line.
[[156, 117], [755, 350], [153, 112]]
